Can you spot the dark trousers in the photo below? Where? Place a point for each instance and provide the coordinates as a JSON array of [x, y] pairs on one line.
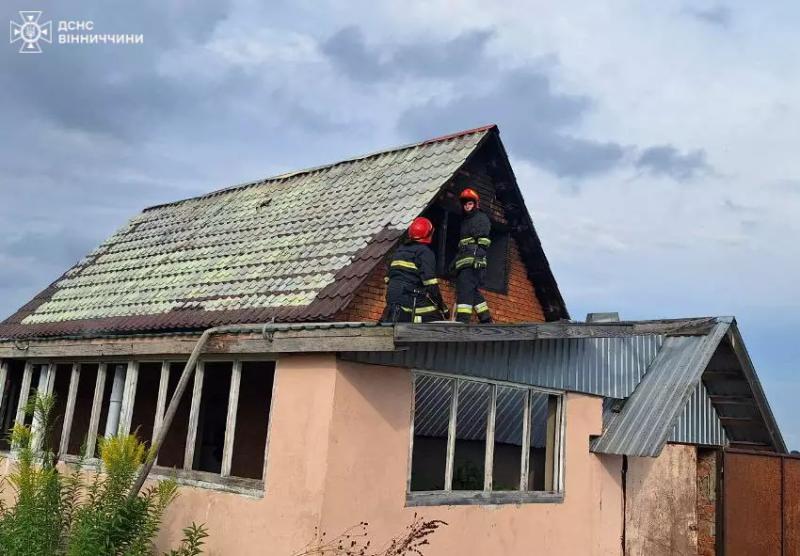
[[401, 301], [469, 297], [400, 313]]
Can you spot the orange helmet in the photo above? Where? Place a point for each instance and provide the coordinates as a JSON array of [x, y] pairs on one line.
[[469, 195], [421, 230]]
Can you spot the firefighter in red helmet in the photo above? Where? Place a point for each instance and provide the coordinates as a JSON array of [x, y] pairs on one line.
[[413, 293], [470, 262]]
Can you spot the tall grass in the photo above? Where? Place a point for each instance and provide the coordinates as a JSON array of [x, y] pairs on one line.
[[76, 512]]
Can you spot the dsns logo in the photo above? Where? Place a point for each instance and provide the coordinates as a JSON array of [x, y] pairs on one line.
[[30, 32]]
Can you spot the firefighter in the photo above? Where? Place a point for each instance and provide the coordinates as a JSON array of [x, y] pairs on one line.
[[470, 262], [413, 293]]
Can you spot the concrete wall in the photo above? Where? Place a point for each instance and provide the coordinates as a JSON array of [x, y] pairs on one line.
[[661, 503], [338, 455], [284, 519]]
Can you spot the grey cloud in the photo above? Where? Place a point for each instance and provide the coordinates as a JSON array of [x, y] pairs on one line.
[[349, 52], [532, 116], [666, 160], [719, 15], [61, 248], [346, 48], [111, 89]]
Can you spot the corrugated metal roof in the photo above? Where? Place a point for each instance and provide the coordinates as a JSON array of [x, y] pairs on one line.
[[294, 247], [602, 366], [699, 423], [650, 413]]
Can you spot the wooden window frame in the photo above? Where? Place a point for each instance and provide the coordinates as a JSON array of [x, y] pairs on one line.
[[555, 456], [218, 481]]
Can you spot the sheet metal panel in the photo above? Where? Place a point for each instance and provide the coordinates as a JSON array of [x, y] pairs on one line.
[[699, 423], [603, 366], [648, 417], [752, 516]]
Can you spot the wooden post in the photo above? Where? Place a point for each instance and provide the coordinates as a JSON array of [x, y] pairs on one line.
[[230, 421], [24, 392], [488, 462], [70, 410], [194, 416], [550, 457], [451, 440], [97, 402], [47, 375], [161, 403], [526, 442], [169, 415], [3, 377], [128, 398]]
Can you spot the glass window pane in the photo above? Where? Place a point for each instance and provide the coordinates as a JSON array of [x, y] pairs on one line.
[[432, 399], [470, 449], [509, 417], [541, 467]]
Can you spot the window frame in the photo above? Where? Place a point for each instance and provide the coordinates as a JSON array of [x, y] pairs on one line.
[[487, 496], [105, 371]]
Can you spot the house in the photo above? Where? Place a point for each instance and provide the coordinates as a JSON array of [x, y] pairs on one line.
[[536, 434]]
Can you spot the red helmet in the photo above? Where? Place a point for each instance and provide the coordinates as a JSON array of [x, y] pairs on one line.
[[469, 195], [421, 230]]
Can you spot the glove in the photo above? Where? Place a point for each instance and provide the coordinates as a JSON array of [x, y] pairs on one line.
[[480, 263]]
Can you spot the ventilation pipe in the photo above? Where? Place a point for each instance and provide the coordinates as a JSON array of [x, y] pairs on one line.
[[597, 318], [115, 403]]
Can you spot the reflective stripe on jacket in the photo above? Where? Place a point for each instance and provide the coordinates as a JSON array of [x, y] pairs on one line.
[[474, 240]]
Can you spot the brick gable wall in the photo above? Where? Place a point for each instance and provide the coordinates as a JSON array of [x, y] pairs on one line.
[[518, 305]]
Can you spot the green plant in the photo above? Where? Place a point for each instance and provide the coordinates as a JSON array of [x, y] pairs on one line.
[[80, 513]]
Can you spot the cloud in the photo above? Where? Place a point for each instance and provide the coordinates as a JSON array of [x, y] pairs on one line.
[[719, 15], [533, 117], [666, 160], [348, 50]]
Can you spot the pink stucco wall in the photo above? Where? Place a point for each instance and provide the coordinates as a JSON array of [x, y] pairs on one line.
[[338, 455]]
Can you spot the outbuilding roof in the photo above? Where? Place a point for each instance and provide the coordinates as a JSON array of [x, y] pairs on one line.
[[290, 248], [686, 380]]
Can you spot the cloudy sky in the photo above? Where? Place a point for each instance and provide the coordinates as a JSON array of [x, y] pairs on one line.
[[656, 143]]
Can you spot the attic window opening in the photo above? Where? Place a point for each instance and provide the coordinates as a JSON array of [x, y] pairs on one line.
[[445, 246], [483, 437]]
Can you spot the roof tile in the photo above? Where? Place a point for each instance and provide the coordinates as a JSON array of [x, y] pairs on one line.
[[292, 247]]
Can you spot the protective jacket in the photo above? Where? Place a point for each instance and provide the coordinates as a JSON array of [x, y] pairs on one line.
[[474, 240], [413, 290]]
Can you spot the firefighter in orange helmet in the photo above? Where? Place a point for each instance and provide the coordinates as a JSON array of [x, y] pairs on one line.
[[413, 293], [470, 262]]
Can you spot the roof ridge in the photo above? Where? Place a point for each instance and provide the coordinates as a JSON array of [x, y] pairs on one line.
[[311, 169]]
